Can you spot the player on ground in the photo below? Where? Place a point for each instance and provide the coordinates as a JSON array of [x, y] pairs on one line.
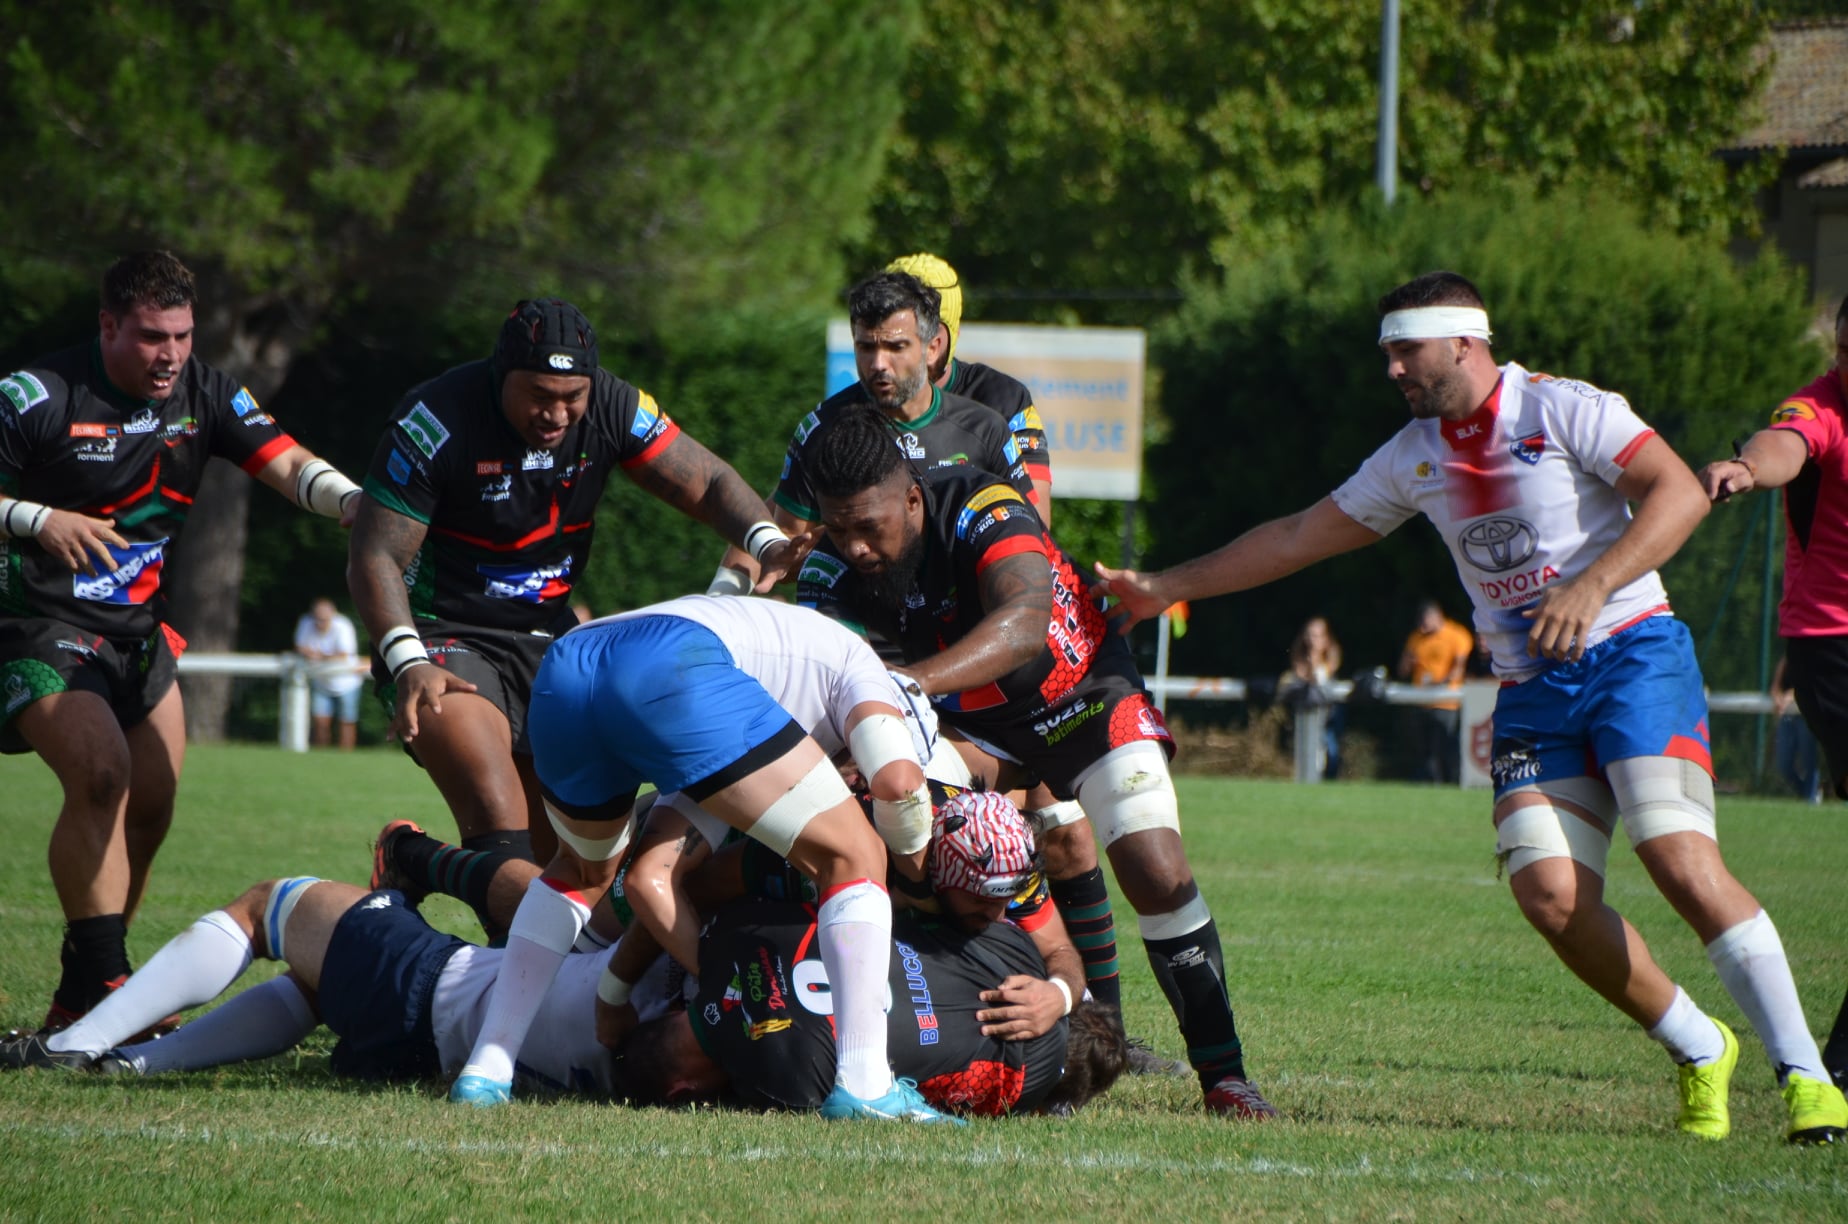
[[1601, 713], [1805, 452], [476, 523], [996, 627], [714, 698], [102, 449]]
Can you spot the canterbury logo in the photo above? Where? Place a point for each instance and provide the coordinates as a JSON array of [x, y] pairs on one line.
[[559, 361]]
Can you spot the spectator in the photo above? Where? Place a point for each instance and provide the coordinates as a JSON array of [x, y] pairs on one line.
[[1315, 659], [1799, 757], [1436, 653], [325, 636]]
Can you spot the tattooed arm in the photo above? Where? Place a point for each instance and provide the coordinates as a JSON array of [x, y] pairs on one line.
[[1016, 594], [383, 545], [703, 486]]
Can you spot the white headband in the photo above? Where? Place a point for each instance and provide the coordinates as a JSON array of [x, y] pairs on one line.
[[1435, 323]]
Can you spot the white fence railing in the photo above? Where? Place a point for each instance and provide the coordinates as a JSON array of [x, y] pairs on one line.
[[291, 670]]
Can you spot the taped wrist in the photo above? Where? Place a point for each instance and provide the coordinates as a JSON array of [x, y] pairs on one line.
[[761, 538], [21, 519], [728, 581], [402, 648], [320, 488], [1066, 992], [612, 989]]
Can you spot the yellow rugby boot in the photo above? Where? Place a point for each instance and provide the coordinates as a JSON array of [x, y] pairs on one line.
[[1703, 1091], [1818, 1114]]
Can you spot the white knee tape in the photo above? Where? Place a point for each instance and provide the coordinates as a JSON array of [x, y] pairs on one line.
[[1542, 831], [820, 789], [1128, 790], [549, 915], [283, 898], [591, 849], [1055, 815], [879, 739], [1176, 923], [904, 825], [1659, 795]]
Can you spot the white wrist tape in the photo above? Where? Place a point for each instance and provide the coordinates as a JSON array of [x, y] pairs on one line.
[[762, 536], [1066, 991], [401, 648], [612, 989], [22, 518], [1435, 323], [321, 488], [728, 581], [904, 824]]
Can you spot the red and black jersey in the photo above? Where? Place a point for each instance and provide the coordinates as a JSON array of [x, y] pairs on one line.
[[71, 440], [1013, 399], [955, 432], [510, 526], [971, 521], [764, 1012]]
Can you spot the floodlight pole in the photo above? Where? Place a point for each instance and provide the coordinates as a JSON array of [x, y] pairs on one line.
[[1388, 160]]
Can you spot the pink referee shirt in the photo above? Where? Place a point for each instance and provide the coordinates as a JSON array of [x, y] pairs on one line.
[[1816, 509]]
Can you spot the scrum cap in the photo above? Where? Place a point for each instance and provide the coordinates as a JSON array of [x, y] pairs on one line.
[[940, 276], [547, 336], [980, 843]]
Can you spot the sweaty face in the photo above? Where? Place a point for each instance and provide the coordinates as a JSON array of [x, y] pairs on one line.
[[144, 349], [542, 407], [880, 532], [1427, 374], [893, 362]]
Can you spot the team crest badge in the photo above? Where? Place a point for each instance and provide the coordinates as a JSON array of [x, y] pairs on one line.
[[1529, 449]]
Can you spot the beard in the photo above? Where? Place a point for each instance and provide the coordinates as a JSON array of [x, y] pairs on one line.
[[899, 393], [888, 587], [1439, 394]]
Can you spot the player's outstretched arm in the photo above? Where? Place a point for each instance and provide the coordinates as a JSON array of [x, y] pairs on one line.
[[1264, 554], [703, 486], [1770, 459], [315, 485]]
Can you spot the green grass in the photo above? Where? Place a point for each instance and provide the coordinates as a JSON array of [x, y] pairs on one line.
[[1432, 1059]]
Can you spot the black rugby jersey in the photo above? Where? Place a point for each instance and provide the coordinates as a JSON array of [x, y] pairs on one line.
[[971, 521], [510, 526], [764, 1011], [1011, 398], [73, 441], [954, 432]]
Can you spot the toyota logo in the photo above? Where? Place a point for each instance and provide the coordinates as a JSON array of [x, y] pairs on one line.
[[1499, 544]]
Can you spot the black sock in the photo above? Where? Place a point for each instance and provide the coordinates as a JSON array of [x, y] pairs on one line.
[[1835, 1054], [1084, 904], [95, 953], [1192, 974], [465, 872], [515, 843]]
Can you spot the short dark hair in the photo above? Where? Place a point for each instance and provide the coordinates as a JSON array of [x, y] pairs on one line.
[[884, 294], [642, 1070], [1096, 1053], [1432, 289], [853, 453], [147, 278]]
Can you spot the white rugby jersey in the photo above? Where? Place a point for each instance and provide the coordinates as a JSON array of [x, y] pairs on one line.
[[1522, 492]]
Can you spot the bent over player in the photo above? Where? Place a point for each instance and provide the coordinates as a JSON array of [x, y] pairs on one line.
[[1601, 713], [102, 450]]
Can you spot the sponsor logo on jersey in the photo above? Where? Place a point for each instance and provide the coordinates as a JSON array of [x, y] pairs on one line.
[[1026, 418], [259, 418], [647, 415], [1498, 544], [18, 693], [917, 986], [525, 584], [807, 427], [559, 361], [1010, 451], [1063, 722], [823, 569], [1530, 448], [489, 467], [145, 421], [908, 444], [1583, 389], [83, 649], [398, 467], [23, 391], [424, 430], [763, 981], [1518, 589], [959, 459], [1426, 470], [1513, 761], [789, 461], [99, 448], [243, 403], [763, 1028], [712, 1014], [498, 489], [537, 461], [177, 431], [92, 429], [1789, 410], [133, 581], [376, 901], [1469, 431]]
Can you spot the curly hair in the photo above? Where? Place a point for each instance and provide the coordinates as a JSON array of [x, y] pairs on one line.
[[853, 452], [1096, 1053]]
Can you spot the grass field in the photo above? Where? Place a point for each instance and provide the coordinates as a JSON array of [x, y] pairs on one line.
[[1431, 1058]]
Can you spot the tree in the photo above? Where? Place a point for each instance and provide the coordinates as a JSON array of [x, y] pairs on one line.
[[437, 160]]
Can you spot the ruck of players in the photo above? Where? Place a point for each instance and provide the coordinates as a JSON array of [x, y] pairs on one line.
[[836, 833]]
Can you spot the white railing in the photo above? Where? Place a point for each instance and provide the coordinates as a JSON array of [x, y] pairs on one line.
[[294, 673]]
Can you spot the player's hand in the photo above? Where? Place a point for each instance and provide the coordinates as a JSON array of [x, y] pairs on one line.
[[1723, 478], [1563, 617], [1134, 593], [422, 687], [783, 560], [614, 1022], [79, 540], [1020, 1008]]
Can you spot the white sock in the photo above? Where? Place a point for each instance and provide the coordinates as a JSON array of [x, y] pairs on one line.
[[854, 931], [193, 967], [544, 928], [262, 1021], [1749, 958], [1688, 1034]]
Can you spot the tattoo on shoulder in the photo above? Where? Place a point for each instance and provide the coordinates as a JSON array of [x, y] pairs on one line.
[[1018, 581]]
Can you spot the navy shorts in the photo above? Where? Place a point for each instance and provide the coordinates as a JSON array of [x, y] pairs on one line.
[[377, 981], [651, 699]]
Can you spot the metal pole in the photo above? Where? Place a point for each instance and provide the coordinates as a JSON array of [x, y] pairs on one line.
[[1767, 612], [1388, 160], [1163, 634]]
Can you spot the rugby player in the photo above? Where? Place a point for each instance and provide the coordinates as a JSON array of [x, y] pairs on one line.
[[996, 627], [102, 450], [715, 698], [1601, 713], [476, 523]]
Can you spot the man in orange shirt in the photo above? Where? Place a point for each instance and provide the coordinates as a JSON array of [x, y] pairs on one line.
[[1436, 653]]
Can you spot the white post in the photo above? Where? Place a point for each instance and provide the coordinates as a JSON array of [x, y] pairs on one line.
[[292, 714], [1162, 634], [1311, 718]]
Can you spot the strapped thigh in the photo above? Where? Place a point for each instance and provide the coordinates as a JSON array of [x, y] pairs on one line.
[[1128, 790], [1659, 795], [1553, 829]]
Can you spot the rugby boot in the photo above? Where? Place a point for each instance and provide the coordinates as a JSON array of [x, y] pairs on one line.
[[1236, 1097], [904, 1103], [21, 1050], [480, 1091], [385, 873], [1703, 1091], [1144, 1061], [1818, 1113]]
